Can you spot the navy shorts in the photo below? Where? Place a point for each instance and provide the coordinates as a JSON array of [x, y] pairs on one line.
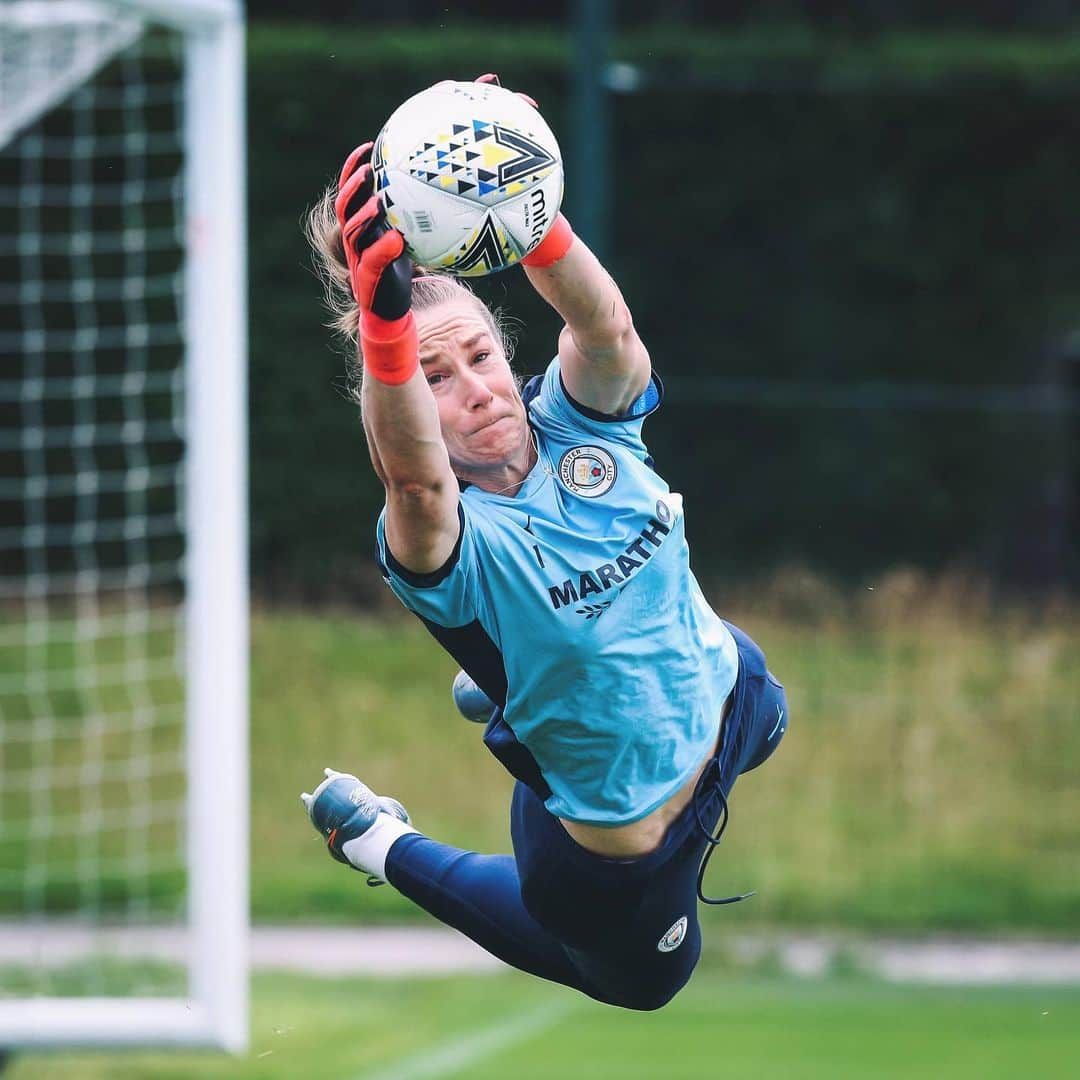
[[633, 922]]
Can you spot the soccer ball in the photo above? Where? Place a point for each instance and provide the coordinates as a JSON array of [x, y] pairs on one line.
[[471, 176]]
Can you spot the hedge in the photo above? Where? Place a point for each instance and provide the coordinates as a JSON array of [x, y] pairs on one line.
[[788, 211]]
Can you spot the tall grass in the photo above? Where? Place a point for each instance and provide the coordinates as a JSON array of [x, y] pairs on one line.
[[930, 777], [92, 759]]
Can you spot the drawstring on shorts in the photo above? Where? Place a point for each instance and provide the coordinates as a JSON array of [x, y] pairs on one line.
[[713, 839]]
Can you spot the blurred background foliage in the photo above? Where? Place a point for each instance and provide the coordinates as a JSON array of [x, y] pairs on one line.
[[866, 15], [850, 243], [851, 251]]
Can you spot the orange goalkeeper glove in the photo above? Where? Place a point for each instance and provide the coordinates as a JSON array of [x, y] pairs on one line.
[[380, 273]]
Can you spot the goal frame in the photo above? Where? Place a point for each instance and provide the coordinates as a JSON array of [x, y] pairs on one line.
[[215, 1011]]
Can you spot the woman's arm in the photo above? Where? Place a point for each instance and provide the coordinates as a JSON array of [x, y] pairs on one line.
[[400, 416], [604, 363], [409, 456]]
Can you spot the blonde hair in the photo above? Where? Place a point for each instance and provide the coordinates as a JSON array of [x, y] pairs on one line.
[[430, 288]]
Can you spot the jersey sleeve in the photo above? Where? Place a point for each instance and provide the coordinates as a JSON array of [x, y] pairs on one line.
[[447, 596], [550, 403]]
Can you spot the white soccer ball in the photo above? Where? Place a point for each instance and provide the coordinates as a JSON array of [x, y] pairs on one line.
[[470, 174]]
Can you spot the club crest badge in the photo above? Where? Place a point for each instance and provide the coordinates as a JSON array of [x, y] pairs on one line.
[[673, 938], [588, 471]]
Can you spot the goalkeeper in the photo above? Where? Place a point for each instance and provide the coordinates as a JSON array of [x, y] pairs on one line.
[[530, 532]]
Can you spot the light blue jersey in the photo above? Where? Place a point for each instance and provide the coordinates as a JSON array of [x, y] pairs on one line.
[[579, 588]]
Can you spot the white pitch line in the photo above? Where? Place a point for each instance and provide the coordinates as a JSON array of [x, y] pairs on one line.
[[454, 1056]]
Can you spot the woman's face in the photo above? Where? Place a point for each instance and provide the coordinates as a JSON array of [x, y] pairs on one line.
[[480, 410]]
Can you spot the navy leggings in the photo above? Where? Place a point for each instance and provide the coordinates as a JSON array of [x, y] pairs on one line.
[[611, 928]]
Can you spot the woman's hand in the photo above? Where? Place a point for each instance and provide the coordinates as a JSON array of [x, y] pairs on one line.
[[379, 270], [380, 274]]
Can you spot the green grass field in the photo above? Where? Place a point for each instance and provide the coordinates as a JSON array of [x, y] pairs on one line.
[[723, 1025]]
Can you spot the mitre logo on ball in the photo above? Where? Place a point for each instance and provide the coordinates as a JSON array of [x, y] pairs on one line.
[[470, 174]]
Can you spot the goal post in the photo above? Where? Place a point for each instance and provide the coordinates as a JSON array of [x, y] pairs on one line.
[[217, 662], [123, 523]]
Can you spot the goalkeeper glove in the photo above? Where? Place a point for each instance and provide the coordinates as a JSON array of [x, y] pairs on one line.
[[380, 273]]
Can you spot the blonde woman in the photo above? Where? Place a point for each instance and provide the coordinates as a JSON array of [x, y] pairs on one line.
[[530, 532]]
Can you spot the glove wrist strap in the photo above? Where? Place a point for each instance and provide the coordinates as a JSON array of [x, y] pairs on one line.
[[389, 347], [554, 246]]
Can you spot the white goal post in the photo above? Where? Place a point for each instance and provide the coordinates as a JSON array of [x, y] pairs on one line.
[[123, 518]]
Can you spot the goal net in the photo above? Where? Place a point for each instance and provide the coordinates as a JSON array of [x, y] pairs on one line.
[[123, 632]]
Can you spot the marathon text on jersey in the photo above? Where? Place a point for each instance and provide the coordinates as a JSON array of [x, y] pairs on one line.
[[637, 553]]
